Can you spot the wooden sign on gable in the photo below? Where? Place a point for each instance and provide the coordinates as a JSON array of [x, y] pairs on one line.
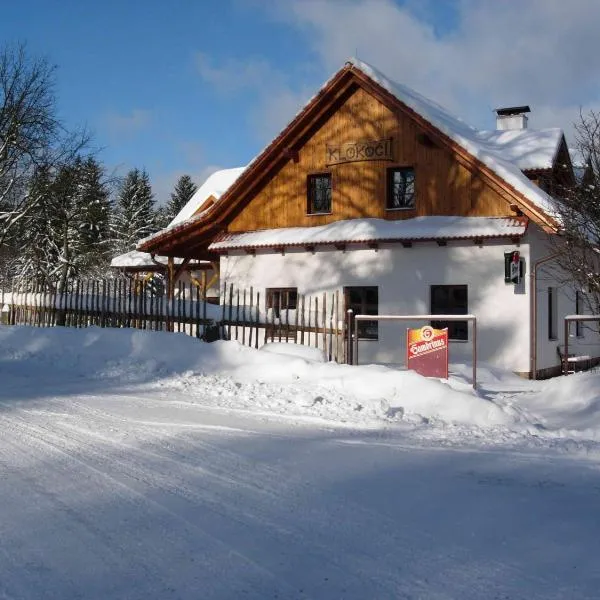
[[358, 151]]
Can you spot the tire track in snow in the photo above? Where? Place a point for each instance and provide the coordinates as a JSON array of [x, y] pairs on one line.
[[313, 529], [130, 482]]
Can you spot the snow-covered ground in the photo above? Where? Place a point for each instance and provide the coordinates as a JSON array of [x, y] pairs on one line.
[[150, 465]]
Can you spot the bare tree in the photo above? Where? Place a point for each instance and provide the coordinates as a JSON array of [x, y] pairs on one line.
[[578, 207], [30, 133]]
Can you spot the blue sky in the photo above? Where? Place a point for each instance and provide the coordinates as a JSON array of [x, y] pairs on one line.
[[186, 87]]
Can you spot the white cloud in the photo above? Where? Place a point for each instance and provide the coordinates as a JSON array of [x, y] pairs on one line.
[[125, 125], [234, 75], [537, 52], [273, 96]]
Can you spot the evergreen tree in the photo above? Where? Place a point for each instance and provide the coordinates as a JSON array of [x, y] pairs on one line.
[[67, 233], [184, 190], [134, 216], [96, 210], [34, 259]]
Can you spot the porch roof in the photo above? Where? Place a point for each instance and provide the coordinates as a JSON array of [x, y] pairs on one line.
[[144, 261], [376, 230]]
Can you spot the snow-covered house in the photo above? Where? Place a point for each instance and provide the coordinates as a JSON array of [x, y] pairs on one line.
[[377, 192], [204, 273]]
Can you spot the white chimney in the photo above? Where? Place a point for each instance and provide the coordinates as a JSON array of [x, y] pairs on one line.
[[512, 117]]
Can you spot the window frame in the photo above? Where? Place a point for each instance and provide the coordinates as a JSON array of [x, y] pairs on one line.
[[365, 306], [389, 182], [458, 331], [310, 188], [280, 293], [552, 314]]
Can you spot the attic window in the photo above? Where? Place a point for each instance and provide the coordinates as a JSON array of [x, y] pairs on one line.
[[318, 188], [400, 188]]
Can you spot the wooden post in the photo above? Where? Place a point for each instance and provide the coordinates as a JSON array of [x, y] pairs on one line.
[[349, 330], [565, 364], [223, 298], [182, 310], [302, 322], [324, 323], [76, 303], [330, 355], [103, 305], [204, 315], [244, 318], [257, 319], [198, 295], [237, 312], [250, 316], [230, 310], [109, 308]]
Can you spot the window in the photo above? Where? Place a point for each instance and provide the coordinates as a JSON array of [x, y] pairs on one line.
[[364, 301], [450, 300], [400, 188], [281, 299], [552, 314], [578, 311], [319, 194]]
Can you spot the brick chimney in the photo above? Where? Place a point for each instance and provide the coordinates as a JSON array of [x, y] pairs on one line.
[[512, 117]]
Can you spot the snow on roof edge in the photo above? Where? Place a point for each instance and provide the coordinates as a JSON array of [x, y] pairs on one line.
[[372, 230]]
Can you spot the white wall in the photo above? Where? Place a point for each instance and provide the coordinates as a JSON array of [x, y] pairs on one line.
[[404, 276], [550, 276]]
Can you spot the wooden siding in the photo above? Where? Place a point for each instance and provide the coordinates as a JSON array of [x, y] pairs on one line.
[[443, 184]]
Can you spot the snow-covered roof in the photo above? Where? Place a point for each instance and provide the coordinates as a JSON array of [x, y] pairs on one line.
[[485, 148], [526, 148], [141, 260], [215, 185], [376, 230]]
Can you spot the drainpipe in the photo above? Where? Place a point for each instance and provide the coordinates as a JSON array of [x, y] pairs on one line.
[[533, 311]]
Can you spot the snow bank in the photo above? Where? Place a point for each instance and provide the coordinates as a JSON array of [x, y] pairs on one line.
[[294, 381], [284, 378], [568, 406]]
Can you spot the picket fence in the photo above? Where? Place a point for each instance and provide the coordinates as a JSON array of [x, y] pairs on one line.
[[242, 314]]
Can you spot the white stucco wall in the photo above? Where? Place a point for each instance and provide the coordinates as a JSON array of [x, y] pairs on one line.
[[404, 276], [551, 276]]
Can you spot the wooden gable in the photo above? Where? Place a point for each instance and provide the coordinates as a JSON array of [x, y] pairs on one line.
[[352, 107], [444, 185]]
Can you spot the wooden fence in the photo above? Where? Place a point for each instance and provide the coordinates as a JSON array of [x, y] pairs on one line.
[[243, 315], [317, 321]]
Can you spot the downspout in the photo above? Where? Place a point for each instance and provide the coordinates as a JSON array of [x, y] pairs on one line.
[[533, 311]]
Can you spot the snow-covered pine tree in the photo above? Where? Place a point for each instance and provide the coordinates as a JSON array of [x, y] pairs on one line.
[[66, 235], [32, 257], [134, 217], [184, 190], [96, 213]]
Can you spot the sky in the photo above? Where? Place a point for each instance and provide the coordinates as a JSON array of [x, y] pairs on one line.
[[191, 86]]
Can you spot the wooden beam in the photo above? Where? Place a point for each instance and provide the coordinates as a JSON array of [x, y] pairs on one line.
[[180, 269]]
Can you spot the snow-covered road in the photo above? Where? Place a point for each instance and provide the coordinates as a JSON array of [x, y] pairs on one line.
[[150, 466], [120, 496]]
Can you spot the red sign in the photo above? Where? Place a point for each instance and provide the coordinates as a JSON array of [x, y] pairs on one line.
[[427, 351]]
